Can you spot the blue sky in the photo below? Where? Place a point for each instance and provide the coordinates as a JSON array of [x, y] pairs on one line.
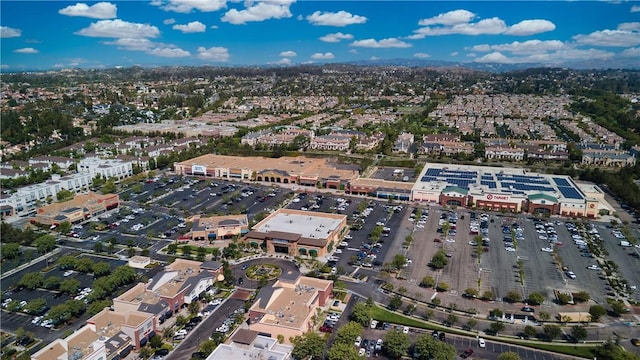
[[224, 32]]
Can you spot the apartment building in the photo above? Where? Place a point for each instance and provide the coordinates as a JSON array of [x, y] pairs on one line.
[[106, 168], [26, 199]]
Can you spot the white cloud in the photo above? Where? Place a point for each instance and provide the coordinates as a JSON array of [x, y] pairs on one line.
[[169, 21], [336, 37], [353, 51], [213, 27], [460, 22], [339, 19], [101, 10], [187, 6], [27, 50], [635, 8], [631, 52], [556, 57], [421, 55], [525, 47], [288, 54], [150, 47], [168, 52], [135, 44], [321, 56], [213, 53], [621, 38], [259, 11], [530, 27], [454, 54], [449, 18], [4, 66], [630, 26], [490, 26], [374, 58], [384, 43], [192, 27], [283, 61], [7, 32], [119, 29]]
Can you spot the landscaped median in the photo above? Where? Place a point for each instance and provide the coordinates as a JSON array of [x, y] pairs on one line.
[[582, 350]]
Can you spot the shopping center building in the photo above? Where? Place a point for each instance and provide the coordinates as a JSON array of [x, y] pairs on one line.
[[508, 190]]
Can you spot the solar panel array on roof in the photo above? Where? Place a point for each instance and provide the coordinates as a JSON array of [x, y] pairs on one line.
[[524, 179], [561, 181], [570, 192], [525, 187], [490, 184], [458, 178]]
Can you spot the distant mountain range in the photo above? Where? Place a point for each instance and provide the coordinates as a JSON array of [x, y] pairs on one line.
[[499, 67]]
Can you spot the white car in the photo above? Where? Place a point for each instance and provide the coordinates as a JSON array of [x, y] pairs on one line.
[[481, 343], [358, 341], [547, 249], [593, 267], [36, 320], [348, 237], [405, 330], [510, 249], [338, 251], [362, 352]]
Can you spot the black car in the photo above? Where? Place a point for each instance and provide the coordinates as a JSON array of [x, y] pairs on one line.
[[528, 309], [240, 281], [161, 352], [441, 335], [199, 355]]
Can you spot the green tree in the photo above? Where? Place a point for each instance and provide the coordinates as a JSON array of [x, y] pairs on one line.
[[487, 295], [45, 243], [52, 282], [310, 345], [428, 282], [395, 303], [428, 348], [471, 292], [67, 262], [181, 320], [10, 251], [98, 247], [513, 296], [509, 356], [581, 296], [58, 314], [452, 319], [396, 344], [399, 261], [101, 269], [31, 280], [194, 307], [145, 352], [35, 306], [496, 327], [84, 265], [544, 316], [442, 286], [64, 195], [439, 260], [349, 332], [597, 311], [551, 331], [579, 332], [155, 342], [343, 351], [97, 306], [64, 227], [535, 298], [530, 331], [208, 346], [69, 286], [361, 313], [612, 351]]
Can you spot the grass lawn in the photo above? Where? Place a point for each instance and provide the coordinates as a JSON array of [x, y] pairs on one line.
[[385, 315]]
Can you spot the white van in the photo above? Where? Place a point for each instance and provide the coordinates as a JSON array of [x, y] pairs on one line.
[[625, 243]]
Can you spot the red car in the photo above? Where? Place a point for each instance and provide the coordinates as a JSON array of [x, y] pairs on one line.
[[466, 353], [325, 328], [437, 240]]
